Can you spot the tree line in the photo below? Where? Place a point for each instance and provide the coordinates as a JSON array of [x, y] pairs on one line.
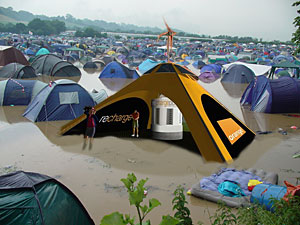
[[36, 26]]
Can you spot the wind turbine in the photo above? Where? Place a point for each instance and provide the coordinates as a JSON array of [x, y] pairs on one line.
[[170, 33]]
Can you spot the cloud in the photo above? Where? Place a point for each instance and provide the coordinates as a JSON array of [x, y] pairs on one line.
[[267, 19]]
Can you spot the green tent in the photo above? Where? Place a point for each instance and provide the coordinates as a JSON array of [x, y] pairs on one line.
[[284, 64], [36, 199], [75, 49], [283, 73], [42, 51]]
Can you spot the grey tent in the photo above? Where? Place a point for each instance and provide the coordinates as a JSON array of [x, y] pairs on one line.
[[99, 96], [32, 198], [90, 65], [17, 71], [53, 65], [238, 73]]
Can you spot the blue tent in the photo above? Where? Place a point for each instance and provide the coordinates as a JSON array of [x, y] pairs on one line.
[[238, 73], [184, 63], [60, 100], [117, 70], [19, 92], [29, 51], [147, 65], [198, 64], [273, 96]]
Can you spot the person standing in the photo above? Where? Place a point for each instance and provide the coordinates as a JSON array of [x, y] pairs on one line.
[[92, 120], [135, 123]]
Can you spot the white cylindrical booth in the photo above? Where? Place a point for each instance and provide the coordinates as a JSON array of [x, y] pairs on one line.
[[166, 119]]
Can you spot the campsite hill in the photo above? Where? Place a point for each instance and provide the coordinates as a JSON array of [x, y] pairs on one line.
[[8, 15]]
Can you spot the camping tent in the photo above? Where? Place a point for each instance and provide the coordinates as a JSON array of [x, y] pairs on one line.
[[33, 198], [60, 100], [90, 65], [116, 70], [209, 76], [257, 69], [54, 66], [206, 118], [29, 51], [9, 54], [42, 51], [98, 96], [19, 92], [238, 73], [211, 68], [285, 65], [273, 96], [147, 65], [198, 64], [17, 71]]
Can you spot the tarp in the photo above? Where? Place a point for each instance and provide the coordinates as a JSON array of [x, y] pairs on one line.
[[286, 65], [204, 115], [9, 54], [32, 198], [257, 69], [60, 100], [118, 70], [19, 92], [17, 71], [273, 96]]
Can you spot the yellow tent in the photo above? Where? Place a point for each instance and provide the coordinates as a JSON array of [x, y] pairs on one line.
[[183, 56], [111, 52], [219, 135]]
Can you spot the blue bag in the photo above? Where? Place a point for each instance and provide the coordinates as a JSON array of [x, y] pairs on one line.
[[231, 189]]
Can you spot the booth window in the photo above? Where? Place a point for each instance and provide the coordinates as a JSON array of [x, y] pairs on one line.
[[169, 116], [157, 111]]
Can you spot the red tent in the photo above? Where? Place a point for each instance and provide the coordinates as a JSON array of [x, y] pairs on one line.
[[9, 54]]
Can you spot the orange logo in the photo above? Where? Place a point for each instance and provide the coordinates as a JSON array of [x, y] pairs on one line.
[[231, 129]]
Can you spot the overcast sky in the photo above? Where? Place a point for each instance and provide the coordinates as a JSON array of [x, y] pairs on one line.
[[267, 19]]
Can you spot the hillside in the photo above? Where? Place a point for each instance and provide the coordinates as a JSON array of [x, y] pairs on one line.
[[8, 15], [6, 19]]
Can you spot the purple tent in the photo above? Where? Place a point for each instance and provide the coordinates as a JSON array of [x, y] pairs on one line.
[[208, 76]]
